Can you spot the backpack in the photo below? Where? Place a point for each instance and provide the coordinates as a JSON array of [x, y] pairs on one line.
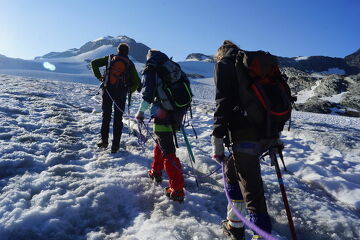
[[173, 86], [264, 93], [118, 71]]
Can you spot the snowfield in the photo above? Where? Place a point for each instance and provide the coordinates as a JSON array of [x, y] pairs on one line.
[[56, 184]]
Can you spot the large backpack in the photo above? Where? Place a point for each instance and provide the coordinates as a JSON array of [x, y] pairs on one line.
[[264, 93], [173, 86], [118, 71]]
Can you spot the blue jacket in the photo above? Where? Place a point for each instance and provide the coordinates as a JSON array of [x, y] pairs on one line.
[[155, 59]]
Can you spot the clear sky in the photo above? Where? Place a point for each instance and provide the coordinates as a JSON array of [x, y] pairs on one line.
[[30, 28]]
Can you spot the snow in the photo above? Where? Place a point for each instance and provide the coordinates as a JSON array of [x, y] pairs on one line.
[[304, 95], [335, 98], [55, 183], [205, 69], [334, 71], [301, 58]]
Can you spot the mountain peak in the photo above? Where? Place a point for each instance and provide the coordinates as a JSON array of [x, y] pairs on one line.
[[200, 57], [137, 50]]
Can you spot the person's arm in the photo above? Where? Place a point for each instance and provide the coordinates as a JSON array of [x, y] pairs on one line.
[[97, 64], [148, 94], [135, 82], [224, 95], [149, 84]]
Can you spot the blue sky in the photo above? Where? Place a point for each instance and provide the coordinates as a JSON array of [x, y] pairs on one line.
[[283, 27]]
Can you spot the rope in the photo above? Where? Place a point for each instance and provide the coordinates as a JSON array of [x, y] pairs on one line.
[[249, 224], [203, 176], [188, 174], [141, 139], [117, 106]]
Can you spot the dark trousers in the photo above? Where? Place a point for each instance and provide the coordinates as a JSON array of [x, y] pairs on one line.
[[247, 149], [164, 128], [243, 172], [119, 97]]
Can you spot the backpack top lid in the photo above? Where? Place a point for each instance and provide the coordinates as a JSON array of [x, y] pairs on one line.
[[156, 58], [259, 63], [170, 71]]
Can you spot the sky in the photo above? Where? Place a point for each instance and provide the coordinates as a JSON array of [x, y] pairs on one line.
[[178, 28]]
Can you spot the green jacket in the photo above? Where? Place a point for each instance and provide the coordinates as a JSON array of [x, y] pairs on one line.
[[135, 81]]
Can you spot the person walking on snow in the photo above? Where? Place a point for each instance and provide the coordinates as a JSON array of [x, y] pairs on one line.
[[165, 124], [120, 78], [242, 171]]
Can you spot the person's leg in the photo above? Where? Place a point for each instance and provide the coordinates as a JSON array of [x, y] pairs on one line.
[[248, 168], [106, 118], [233, 226], [157, 164], [233, 188], [164, 131], [120, 99], [247, 149]]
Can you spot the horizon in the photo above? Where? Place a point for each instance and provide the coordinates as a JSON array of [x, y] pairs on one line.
[[285, 29]]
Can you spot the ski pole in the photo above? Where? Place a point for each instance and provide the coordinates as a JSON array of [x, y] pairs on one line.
[[274, 161], [192, 158], [190, 152]]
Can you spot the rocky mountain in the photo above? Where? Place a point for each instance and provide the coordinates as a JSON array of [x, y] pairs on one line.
[[200, 57], [137, 50], [320, 93], [353, 59], [320, 64]]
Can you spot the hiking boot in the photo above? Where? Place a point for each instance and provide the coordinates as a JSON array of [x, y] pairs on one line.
[[257, 237], [155, 176], [233, 232], [102, 144], [175, 195], [115, 148]]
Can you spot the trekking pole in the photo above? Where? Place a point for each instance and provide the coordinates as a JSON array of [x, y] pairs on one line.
[[274, 161], [190, 152]]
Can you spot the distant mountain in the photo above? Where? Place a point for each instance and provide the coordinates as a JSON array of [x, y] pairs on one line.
[[137, 50], [17, 63], [353, 59], [200, 57], [320, 64]]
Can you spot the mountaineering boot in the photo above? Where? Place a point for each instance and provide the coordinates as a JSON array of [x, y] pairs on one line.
[[257, 237], [155, 176], [114, 148], [175, 195], [102, 144], [233, 232]]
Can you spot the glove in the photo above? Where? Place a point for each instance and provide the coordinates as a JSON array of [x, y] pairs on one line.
[[158, 112], [218, 149], [144, 105], [140, 116]]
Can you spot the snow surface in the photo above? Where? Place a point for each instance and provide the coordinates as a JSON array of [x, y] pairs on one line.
[[56, 184], [304, 95]]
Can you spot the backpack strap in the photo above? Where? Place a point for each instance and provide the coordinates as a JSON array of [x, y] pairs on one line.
[[107, 70]]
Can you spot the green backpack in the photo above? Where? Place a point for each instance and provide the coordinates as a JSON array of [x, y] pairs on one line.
[[173, 86]]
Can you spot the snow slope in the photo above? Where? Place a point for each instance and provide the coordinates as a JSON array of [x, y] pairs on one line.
[[55, 183]]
